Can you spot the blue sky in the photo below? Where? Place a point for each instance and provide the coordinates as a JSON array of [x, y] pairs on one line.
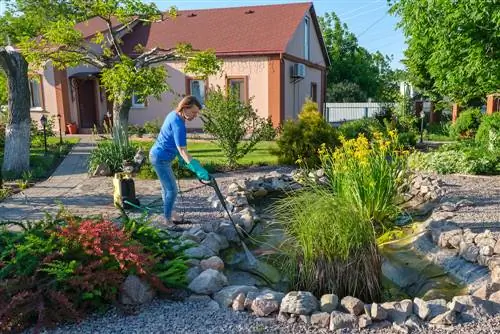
[[368, 19]]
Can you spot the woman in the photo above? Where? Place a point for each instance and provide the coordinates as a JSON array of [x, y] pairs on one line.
[[171, 143]]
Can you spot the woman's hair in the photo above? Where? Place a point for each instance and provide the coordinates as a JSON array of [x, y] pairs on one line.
[[187, 102]]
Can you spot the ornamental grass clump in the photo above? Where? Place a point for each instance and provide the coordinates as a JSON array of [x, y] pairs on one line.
[[332, 227]]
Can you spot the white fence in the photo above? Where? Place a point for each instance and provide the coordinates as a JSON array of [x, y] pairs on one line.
[[341, 112]]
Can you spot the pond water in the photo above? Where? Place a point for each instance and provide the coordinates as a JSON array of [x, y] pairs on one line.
[[405, 273]]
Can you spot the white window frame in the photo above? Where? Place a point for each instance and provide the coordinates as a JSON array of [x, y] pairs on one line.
[[307, 38], [137, 105], [34, 107]]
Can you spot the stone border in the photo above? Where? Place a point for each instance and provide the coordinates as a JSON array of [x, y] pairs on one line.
[[206, 277]]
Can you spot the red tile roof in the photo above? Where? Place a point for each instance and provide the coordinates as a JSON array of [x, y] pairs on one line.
[[238, 30], [94, 25]]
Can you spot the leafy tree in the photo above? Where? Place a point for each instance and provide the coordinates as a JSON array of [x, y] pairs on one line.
[[235, 125], [122, 75], [453, 46], [355, 74]]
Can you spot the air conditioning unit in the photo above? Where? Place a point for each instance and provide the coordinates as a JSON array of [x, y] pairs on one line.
[[298, 70]]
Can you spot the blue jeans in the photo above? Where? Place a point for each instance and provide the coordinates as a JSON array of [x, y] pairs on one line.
[[168, 183]]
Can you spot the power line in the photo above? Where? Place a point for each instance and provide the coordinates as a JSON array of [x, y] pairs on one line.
[[372, 25]]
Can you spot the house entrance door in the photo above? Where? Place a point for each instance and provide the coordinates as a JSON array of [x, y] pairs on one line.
[[87, 109]]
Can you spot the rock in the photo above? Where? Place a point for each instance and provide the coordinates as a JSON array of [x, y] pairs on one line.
[[380, 325], [234, 188], [424, 190], [486, 250], [135, 291], [283, 317], [494, 263], [215, 242], [226, 296], [485, 239], [450, 239], [329, 303], [486, 290], [213, 262], [208, 282], [495, 274], [469, 252], [195, 233], [436, 307], [476, 307], [496, 249], [469, 236], [305, 319], [266, 303], [251, 295], [227, 230], [321, 319], [192, 273], [364, 321], [259, 193], [200, 252], [261, 269], [193, 262], [398, 312], [397, 328], [212, 306], [299, 302], [483, 260], [414, 323], [421, 308], [456, 306], [339, 320], [448, 318], [353, 305], [239, 302], [102, 170], [377, 312], [495, 297], [448, 206]]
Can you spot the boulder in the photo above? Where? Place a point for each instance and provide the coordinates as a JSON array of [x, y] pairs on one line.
[[353, 305], [267, 303], [251, 295], [496, 249], [448, 318], [377, 312], [495, 274], [436, 307], [398, 312], [226, 296], [321, 319], [495, 297], [486, 290], [215, 242], [200, 252], [192, 273], [135, 291], [474, 307], [239, 302], [208, 282], [299, 302], [213, 262], [470, 252], [329, 303], [364, 321], [340, 320], [421, 309]]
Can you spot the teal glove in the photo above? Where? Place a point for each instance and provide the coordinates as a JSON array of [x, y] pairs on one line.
[[182, 163], [200, 172]]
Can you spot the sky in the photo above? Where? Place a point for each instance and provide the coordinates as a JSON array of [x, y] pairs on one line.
[[367, 19]]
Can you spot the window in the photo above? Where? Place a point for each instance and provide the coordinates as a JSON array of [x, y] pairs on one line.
[[138, 102], [239, 85], [36, 94], [314, 92], [196, 88], [306, 38]]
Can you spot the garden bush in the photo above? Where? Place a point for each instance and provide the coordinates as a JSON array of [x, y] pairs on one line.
[[235, 125], [301, 139], [365, 126], [62, 268], [152, 127], [488, 133], [112, 155], [332, 228], [467, 124]]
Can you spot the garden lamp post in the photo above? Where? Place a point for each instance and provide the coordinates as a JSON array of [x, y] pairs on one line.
[[43, 120], [60, 128], [422, 115]]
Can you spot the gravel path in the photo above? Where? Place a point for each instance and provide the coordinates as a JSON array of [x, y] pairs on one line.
[[204, 316]]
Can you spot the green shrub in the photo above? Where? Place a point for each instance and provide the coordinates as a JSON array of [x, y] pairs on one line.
[[137, 130], [365, 126], [152, 127], [467, 124], [234, 124], [112, 155], [301, 139], [488, 133]]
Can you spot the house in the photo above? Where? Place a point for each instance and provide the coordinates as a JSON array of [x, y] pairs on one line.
[[273, 54]]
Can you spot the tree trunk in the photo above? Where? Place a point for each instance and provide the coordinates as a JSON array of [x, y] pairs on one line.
[[120, 120], [17, 131]]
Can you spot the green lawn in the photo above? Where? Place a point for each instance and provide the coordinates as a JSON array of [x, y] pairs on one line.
[[212, 157], [42, 166]]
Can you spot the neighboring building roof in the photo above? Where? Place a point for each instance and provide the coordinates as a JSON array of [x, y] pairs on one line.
[[94, 25], [229, 31]]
